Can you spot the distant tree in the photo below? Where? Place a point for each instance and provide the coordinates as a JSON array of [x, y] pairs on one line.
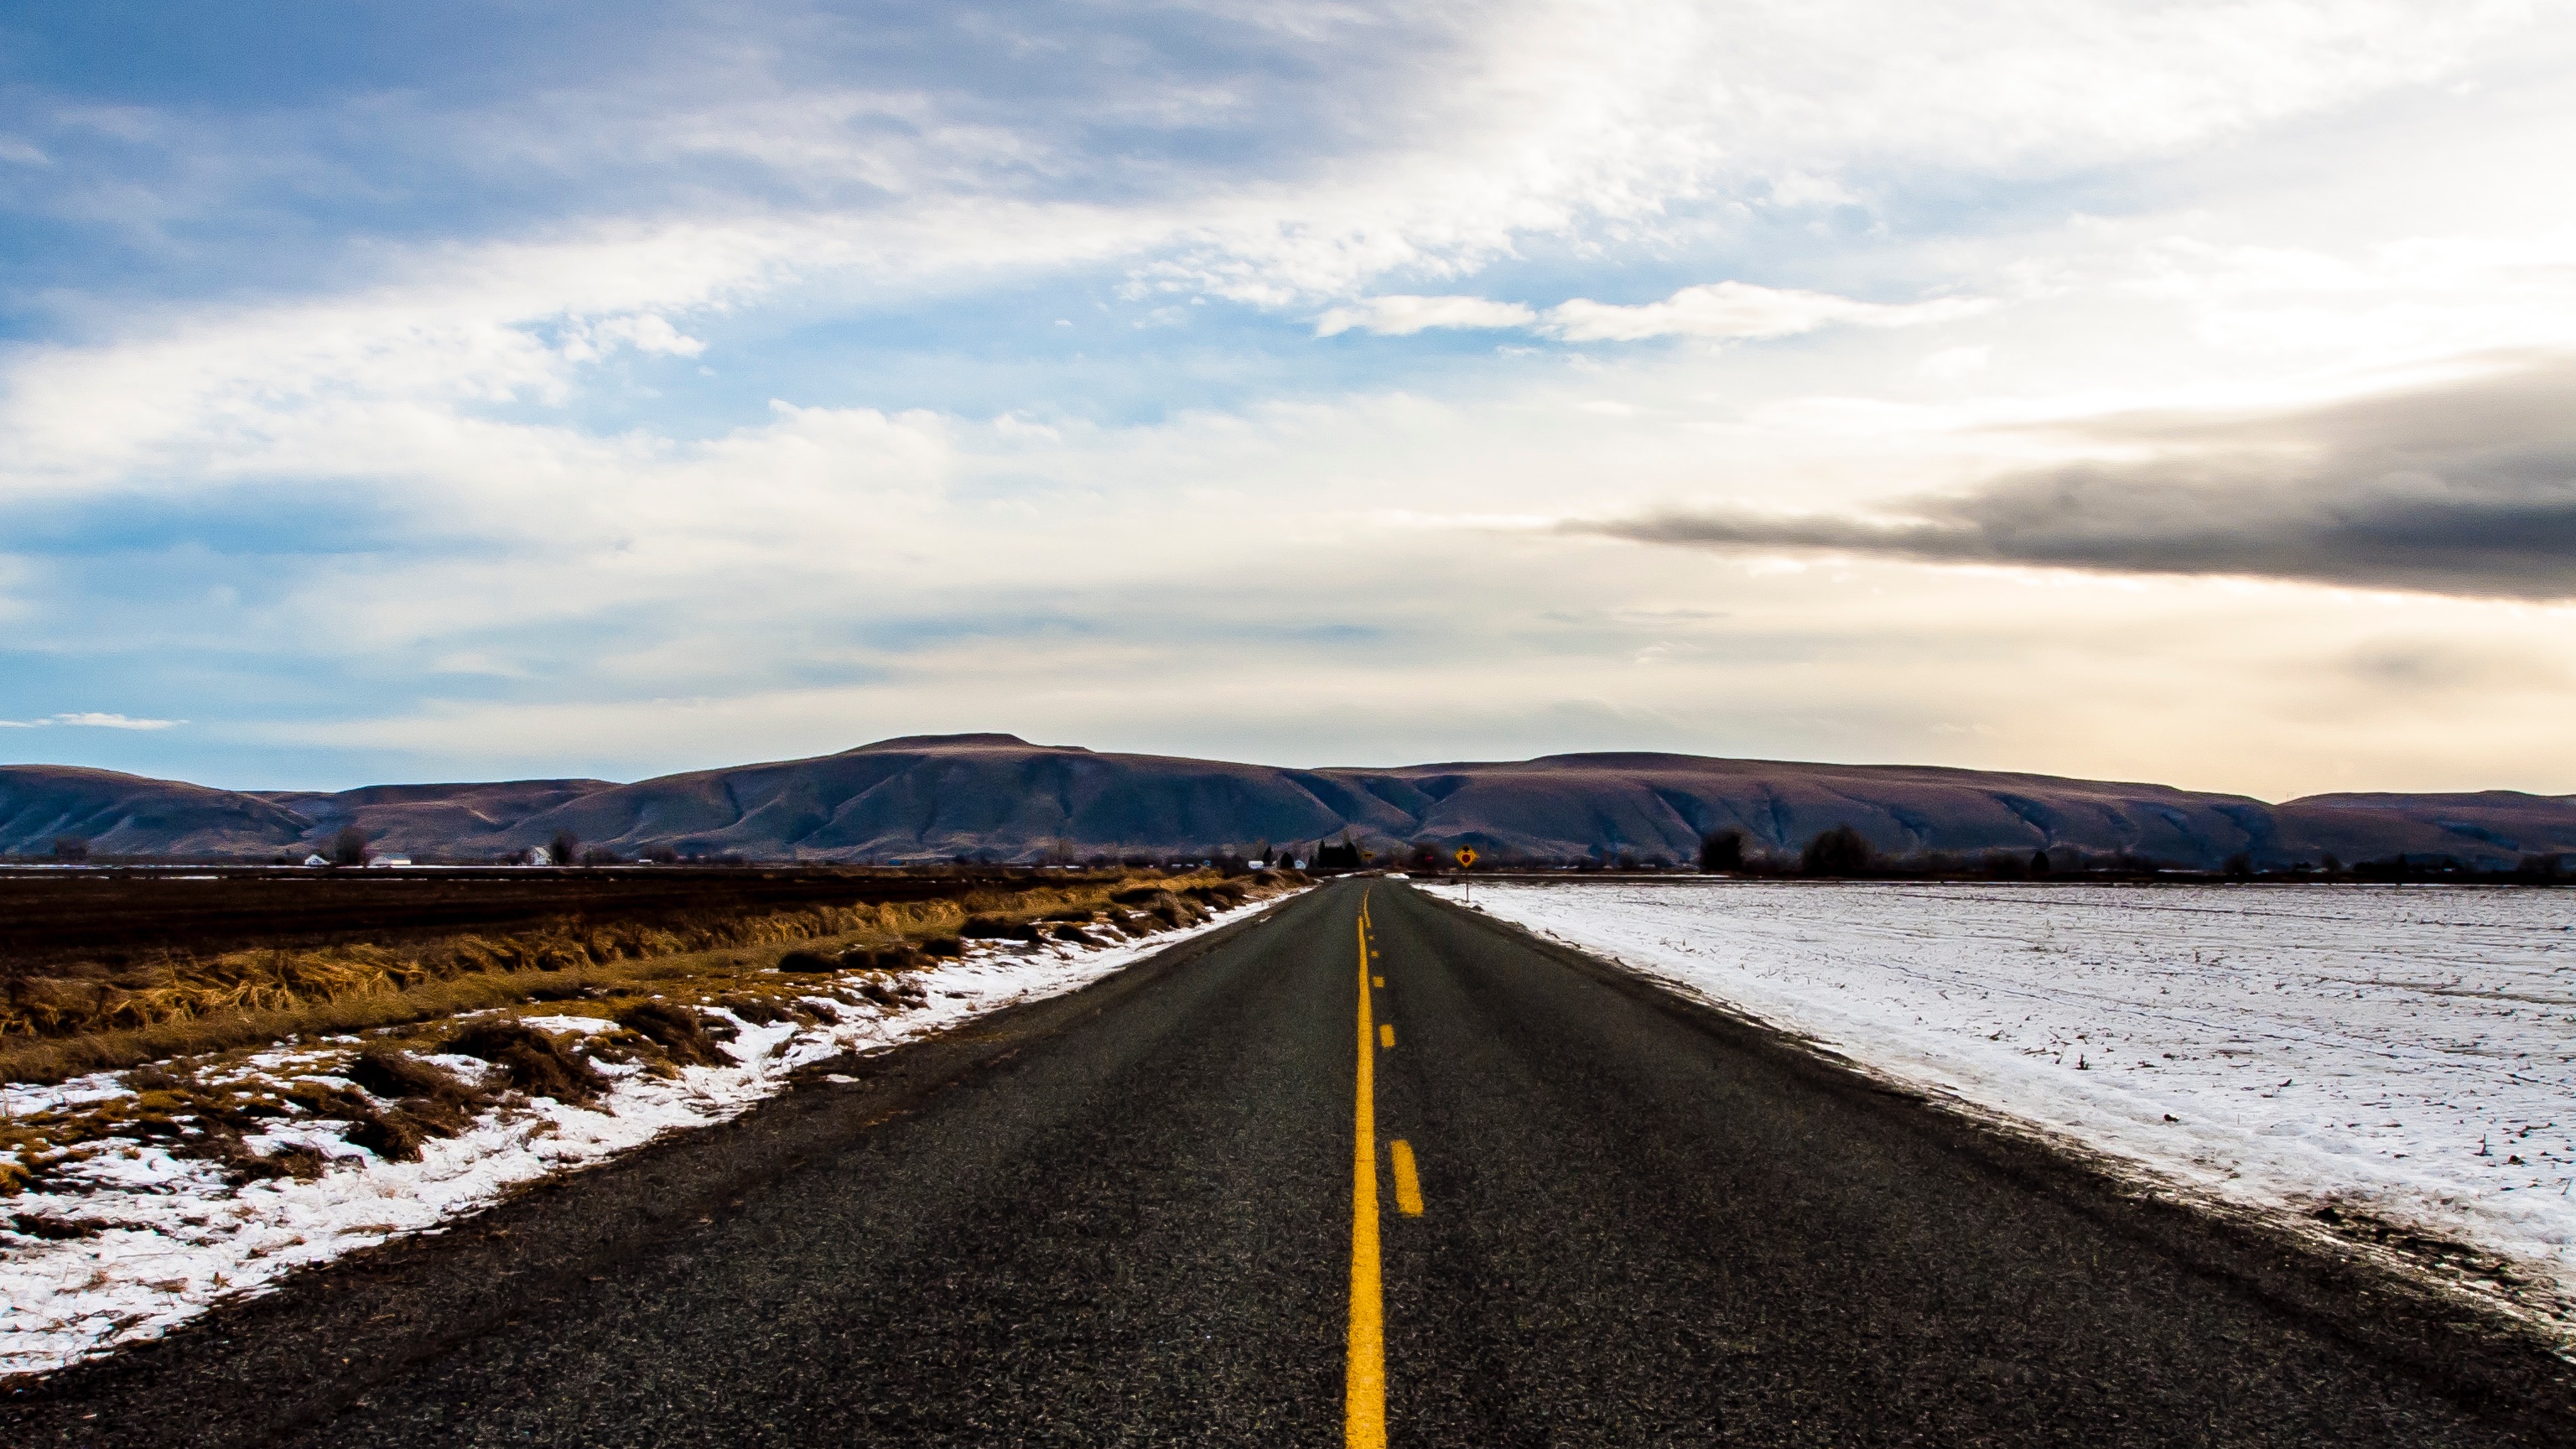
[[1839, 851], [565, 848], [349, 847], [661, 855], [2005, 865], [2039, 864], [2332, 865], [2532, 867], [2240, 865], [1721, 850], [70, 849], [599, 855]]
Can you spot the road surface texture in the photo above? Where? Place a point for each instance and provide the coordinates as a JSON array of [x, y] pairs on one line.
[[1177, 1208]]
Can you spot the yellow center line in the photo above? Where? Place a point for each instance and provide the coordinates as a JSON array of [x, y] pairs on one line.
[[1408, 1188], [1364, 1386]]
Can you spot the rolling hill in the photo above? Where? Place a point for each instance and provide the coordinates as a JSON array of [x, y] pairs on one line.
[[998, 797]]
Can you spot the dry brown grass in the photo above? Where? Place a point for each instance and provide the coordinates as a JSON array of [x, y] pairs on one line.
[[59, 1027], [205, 1091]]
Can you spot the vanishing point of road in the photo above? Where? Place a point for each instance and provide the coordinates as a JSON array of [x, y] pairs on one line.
[[1368, 1170]]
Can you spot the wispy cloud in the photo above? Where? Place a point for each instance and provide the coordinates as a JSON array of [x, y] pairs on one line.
[[1722, 311], [91, 720], [1737, 311], [1402, 316]]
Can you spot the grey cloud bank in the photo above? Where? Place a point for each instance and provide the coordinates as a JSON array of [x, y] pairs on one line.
[[2465, 487]]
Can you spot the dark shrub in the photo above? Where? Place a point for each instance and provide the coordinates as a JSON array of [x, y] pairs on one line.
[[393, 1075], [756, 1011], [297, 1161], [1839, 851], [810, 963], [943, 947], [392, 1136], [677, 1030], [1075, 934], [538, 1065], [997, 928], [890, 958], [1722, 850]]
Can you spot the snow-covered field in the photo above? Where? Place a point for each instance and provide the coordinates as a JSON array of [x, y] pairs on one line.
[[2402, 1052], [173, 1237]]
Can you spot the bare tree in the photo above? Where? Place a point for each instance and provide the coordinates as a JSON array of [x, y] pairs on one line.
[[1721, 850], [1839, 851], [565, 848], [349, 847], [70, 849]]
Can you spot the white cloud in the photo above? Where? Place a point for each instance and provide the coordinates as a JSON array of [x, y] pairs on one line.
[[1952, 363], [645, 332], [1733, 311], [1738, 311], [1402, 316], [91, 720]]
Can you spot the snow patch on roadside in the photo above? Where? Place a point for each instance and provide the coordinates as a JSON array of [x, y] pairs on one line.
[[163, 1238], [2405, 1053]]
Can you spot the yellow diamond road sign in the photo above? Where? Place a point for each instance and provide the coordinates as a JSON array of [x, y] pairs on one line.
[[1466, 856]]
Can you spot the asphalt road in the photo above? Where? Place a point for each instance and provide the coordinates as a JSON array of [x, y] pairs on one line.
[[1171, 1209]]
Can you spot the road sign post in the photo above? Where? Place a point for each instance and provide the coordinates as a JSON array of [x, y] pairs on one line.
[[1466, 864]]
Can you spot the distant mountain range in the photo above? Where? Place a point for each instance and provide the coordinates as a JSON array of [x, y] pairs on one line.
[[998, 797]]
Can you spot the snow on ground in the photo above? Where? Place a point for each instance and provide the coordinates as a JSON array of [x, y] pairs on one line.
[[174, 1237], [2402, 1052]]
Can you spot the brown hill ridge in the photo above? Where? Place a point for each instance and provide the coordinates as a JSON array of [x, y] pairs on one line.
[[998, 797]]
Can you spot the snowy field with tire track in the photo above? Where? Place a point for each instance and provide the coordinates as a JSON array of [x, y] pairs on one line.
[[2365, 1057]]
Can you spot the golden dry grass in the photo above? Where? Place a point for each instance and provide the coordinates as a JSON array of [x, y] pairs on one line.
[[202, 1093], [54, 1028]]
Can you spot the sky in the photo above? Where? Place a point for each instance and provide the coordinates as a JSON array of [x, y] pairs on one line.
[[2166, 390]]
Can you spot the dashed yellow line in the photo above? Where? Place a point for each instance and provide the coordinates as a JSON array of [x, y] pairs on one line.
[[1364, 1384], [1386, 1034], [1408, 1188]]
